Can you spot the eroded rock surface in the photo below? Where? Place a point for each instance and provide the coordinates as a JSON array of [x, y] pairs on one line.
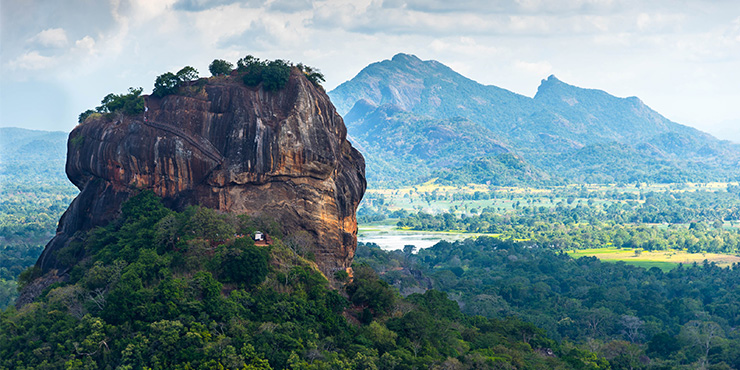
[[229, 147]]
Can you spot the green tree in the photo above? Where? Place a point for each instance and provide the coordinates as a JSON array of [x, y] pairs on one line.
[[312, 74], [131, 103], [244, 263], [220, 67], [367, 289], [243, 64], [166, 84], [275, 75], [187, 74], [83, 116]]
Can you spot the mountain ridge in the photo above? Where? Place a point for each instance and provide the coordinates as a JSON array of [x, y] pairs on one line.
[[561, 119]]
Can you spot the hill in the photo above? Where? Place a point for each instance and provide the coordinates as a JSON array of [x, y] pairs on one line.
[[219, 142], [557, 131]]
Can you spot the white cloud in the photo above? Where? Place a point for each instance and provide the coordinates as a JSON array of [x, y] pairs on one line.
[[145, 10], [32, 60], [211, 23], [536, 68], [86, 44], [52, 37], [627, 47], [462, 45]]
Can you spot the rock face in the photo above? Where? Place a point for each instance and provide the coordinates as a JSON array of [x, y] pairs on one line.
[[226, 146]]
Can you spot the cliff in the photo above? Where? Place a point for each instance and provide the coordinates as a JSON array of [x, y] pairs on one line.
[[223, 145]]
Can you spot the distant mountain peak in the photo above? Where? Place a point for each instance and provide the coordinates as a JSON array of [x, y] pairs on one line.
[[551, 83], [409, 104], [408, 58]]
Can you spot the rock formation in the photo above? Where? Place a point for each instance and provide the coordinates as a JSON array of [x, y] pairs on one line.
[[226, 146]]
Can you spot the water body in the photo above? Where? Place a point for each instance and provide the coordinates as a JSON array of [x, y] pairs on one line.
[[391, 238]]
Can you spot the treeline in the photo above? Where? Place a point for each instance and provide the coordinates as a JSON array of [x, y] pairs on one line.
[[181, 290], [633, 317], [692, 221], [569, 234], [272, 74]]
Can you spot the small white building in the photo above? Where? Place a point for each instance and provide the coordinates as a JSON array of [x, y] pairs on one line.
[[259, 236]]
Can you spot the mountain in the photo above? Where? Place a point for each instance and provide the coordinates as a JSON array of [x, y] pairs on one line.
[[556, 131], [223, 145]]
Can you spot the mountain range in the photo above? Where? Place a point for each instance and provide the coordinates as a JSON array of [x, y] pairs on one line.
[[418, 120]]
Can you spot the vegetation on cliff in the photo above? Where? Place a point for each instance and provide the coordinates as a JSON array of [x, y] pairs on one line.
[[130, 103], [272, 74]]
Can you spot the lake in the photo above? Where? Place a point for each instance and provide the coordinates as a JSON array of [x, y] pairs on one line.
[[389, 237]]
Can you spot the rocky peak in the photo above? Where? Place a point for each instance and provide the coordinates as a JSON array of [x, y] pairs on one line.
[[226, 146]]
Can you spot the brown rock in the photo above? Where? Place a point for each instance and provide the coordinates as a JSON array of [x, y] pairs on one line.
[[229, 147]]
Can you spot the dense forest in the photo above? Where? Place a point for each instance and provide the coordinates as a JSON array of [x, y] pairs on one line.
[[634, 317], [168, 290], [34, 192]]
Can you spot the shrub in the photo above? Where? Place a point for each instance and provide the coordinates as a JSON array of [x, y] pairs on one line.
[[77, 141], [220, 67], [341, 275]]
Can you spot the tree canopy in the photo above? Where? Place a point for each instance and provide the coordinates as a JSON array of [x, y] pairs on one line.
[[220, 67]]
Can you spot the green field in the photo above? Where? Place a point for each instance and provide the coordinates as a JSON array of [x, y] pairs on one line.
[[665, 260]]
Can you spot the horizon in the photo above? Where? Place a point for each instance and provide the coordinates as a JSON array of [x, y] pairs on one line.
[[60, 59]]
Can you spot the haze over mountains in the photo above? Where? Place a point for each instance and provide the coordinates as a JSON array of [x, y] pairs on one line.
[[416, 120]]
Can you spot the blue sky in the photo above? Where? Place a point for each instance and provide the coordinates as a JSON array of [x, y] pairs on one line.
[[681, 57]]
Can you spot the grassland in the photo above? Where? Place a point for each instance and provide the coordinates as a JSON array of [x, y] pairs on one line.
[[665, 260]]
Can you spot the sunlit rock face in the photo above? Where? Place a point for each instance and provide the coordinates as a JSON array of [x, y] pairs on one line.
[[226, 146]]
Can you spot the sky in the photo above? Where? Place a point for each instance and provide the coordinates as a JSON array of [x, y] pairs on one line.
[[680, 57]]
